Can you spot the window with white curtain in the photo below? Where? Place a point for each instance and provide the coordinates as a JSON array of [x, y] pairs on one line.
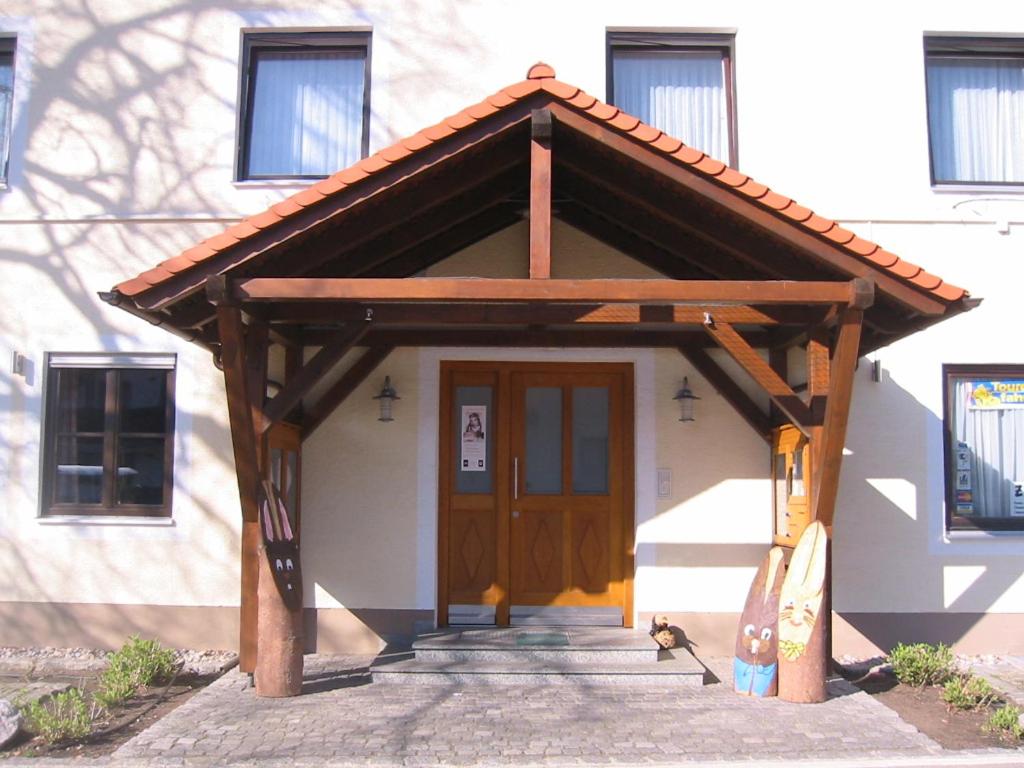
[[985, 446], [306, 108], [681, 84], [975, 110], [6, 101]]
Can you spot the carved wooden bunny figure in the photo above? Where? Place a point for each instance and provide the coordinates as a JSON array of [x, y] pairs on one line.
[[755, 667]]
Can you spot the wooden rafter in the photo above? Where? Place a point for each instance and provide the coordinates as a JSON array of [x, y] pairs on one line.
[[729, 389], [342, 388], [706, 189], [307, 377], [540, 194], [603, 291], [761, 372]]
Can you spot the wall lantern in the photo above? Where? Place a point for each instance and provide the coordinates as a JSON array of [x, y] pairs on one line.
[[386, 397], [686, 397]]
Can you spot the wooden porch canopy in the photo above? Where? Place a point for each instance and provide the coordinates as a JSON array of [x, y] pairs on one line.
[[744, 269]]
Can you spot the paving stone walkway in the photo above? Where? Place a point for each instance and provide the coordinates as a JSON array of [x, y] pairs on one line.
[[343, 718]]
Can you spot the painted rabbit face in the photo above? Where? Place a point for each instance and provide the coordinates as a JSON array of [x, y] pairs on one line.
[[281, 547], [761, 643], [802, 592]]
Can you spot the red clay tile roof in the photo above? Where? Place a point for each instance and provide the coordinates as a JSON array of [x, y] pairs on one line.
[[541, 77]]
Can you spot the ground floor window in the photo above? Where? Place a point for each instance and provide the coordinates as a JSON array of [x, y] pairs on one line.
[[984, 419], [108, 434]]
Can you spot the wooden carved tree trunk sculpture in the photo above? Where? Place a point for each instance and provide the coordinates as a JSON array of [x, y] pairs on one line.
[[755, 668], [279, 660], [803, 651]]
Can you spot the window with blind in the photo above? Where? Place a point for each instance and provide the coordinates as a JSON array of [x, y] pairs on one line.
[[305, 104], [679, 83], [975, 91], [108, 443], [7, 45], [984, 420]]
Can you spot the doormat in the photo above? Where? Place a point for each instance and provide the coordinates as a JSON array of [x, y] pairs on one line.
[[542, 638]]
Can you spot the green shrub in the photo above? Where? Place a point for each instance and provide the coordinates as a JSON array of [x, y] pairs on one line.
[[62, 717], [922, 664], [138, 663], [968, 692], [1006, 722]]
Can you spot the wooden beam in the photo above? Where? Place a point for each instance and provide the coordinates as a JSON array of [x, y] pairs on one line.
[[778, 360], [540, 194], [837, 412], [311, 373], [546, 314], [787, 232], [602, 291], [517, 337], [758, 369], [344, 387], [730, 390]]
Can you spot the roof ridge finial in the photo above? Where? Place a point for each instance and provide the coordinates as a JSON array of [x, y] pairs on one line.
[[539, 71]]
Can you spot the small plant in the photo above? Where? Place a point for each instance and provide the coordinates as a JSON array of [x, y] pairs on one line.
[[1006, 722], [64, 716], [138, 663], [968, 692], [921, 664]]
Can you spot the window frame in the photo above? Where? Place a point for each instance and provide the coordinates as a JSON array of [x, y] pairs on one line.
[[254, 41], [647, 40], [8, 46], [965, 47], [953, 521], [111, 364]]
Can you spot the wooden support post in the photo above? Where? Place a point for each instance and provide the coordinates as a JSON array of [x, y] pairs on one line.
[[243, 440], [837, 412], [540, 194], [750, 361]]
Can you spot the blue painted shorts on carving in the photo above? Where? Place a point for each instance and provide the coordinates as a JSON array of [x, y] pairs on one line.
[[754, 679]]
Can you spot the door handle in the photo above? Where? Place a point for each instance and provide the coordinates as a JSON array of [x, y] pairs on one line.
[[515, 478]]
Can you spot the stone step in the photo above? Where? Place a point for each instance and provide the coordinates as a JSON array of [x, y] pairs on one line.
[[588, 646], [682, 669]]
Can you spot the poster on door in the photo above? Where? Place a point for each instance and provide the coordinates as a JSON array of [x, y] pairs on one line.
[[474, 438]]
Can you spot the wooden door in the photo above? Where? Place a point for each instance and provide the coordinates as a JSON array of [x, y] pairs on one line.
[[536, 489], [566, 509]]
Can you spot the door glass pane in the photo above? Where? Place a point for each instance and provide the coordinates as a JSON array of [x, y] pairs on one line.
[[140, 470], [543, 440], [590, 439], [473, 446]]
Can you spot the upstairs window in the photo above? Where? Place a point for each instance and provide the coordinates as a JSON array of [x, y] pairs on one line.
[[6, 101], [681, 84], [109, 439], [306, 104], [984, 419], [975, 110]]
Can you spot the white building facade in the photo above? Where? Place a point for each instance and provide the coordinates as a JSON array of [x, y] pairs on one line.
[[135, 131]]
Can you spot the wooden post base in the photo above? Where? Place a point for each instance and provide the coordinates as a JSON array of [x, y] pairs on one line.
[[279, 655]]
